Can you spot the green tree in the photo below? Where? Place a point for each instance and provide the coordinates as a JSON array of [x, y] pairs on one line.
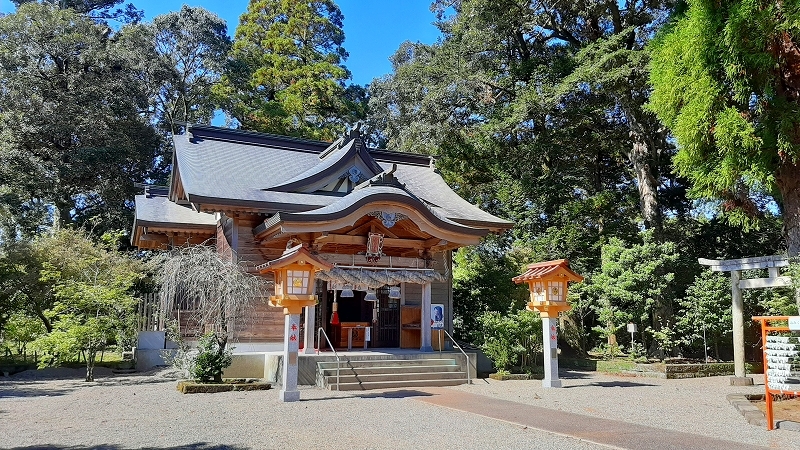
[[88, 316], [74, 128], [285, 74], [636, 284], [481, 283], [193, 45], [724, 82], [22, 329], [85, 294], [512, 101], [706, 311]]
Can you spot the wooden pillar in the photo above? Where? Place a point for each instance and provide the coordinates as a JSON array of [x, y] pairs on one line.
[[309, 332], [425, 328], [235, 238]]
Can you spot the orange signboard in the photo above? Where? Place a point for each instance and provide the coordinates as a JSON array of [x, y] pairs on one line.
[[781, 345]]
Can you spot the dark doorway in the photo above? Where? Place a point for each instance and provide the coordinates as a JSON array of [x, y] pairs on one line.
[[387, 329]]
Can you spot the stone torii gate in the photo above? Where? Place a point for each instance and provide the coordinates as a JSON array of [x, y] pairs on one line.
[[735, 267]]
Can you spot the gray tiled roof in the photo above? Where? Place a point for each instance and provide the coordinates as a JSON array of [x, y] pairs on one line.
[[230, 167], [158, 210]]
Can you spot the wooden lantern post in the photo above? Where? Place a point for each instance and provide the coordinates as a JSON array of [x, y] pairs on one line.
[[294, 289], [547, 282]]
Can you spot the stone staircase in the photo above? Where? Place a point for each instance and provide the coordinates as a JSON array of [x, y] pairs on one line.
[[357, 375]]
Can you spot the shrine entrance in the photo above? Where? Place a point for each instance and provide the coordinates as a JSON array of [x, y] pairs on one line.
[[735, 267], [383, 316]]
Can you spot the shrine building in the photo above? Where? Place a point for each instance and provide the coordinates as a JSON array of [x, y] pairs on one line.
[[386, 222]]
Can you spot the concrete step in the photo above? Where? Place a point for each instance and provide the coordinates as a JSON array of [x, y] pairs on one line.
[[389, 362], [431, 376], [396, 384], [390, 373], [389, 369]]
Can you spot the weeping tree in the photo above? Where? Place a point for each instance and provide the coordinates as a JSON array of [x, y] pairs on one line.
[[217, 292]]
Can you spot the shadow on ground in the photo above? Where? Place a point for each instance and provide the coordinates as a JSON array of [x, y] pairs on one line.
[[573, 374], [404, 393], [195, 446], [30, 389], [613, 384]]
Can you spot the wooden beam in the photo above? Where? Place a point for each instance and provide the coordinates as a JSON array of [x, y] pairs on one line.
[[344, 239], [754, 283], [152, 237], [374, 226], [434, 242], [409, 227]]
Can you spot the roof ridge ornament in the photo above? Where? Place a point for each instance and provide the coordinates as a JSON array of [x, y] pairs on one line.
[[385, 178]]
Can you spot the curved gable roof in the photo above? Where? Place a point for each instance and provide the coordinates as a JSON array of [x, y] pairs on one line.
[[334, 161], [368, 198]]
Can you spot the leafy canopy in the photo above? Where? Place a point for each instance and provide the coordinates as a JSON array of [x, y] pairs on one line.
[[725, 82], [74, 135]]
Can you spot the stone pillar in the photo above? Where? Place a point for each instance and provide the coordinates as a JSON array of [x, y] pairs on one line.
[[291, 338], [737, 312], [310, 332], [425, 328], [550, 344]]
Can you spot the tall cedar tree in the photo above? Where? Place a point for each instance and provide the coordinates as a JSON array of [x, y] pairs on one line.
[[726, 81], [285, 73]]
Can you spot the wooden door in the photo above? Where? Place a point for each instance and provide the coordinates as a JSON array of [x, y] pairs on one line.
[[387, 330]]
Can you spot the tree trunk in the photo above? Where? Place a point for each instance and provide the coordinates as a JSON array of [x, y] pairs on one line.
[[789, 186], [643, 156], [640, 158], [40, 314], [90, 357]]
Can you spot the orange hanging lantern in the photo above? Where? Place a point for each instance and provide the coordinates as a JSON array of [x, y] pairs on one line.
[[294, 274], [547, 282]]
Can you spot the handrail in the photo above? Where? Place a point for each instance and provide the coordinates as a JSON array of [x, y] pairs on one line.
[[338, 361], [469, 378]]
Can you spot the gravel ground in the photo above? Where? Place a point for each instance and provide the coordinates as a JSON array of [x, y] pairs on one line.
[[55, 409]]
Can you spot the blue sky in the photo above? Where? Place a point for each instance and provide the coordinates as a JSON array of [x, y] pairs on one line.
[[373, 29]]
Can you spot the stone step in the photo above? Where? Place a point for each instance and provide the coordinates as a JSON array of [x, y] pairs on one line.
[[430, 376], [389, 369], [389, 363], [390, 373], [396, 384]]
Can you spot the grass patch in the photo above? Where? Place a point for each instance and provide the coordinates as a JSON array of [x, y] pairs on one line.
[[598, 365], [503, 376], [196, 387]]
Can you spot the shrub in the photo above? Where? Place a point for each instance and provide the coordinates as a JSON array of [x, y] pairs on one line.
[[212, 358], [512, 340]]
